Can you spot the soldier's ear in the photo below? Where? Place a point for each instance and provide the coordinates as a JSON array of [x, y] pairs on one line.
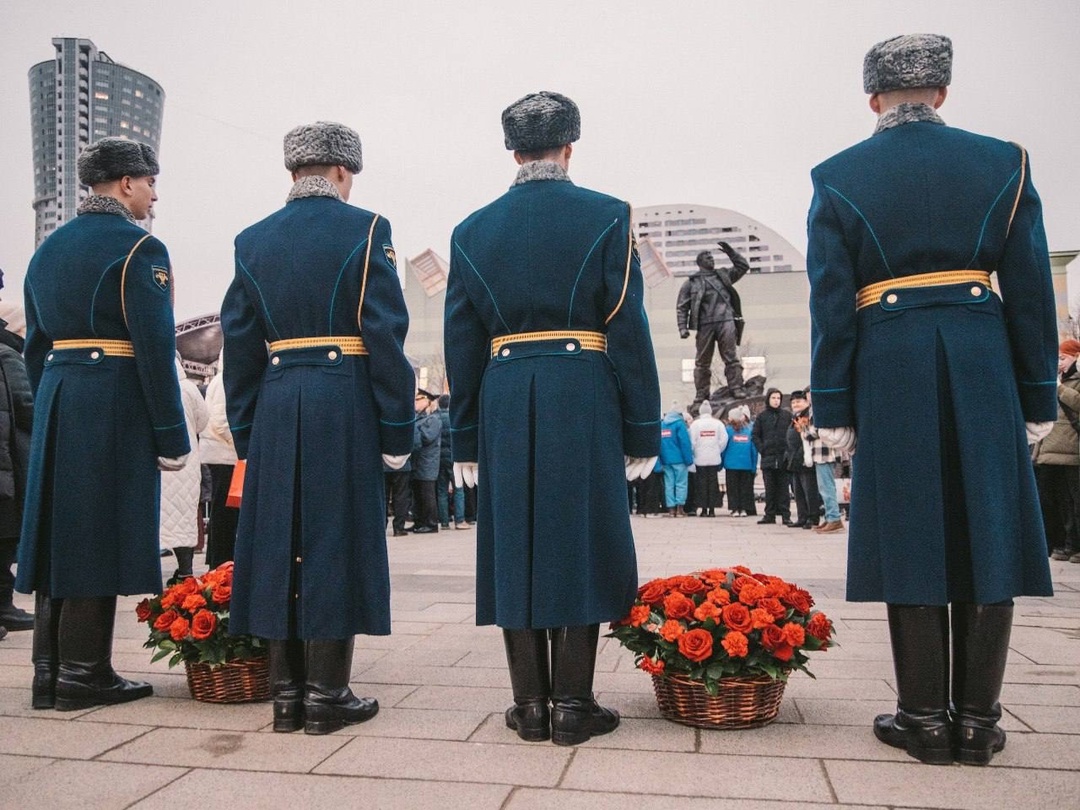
[[939, 99], [875, 103]]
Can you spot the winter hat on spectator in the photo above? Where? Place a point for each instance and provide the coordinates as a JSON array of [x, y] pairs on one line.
[[705, 409]]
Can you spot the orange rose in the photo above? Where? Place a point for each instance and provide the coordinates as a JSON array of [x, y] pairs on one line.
[[671, 630], [166, 619], [652, 667], [221, 594], [714, 576], [737, 617], [677, 606], [170, 598], [736, 644], [193, 602], [794, 634], [691, 585], [707, 610], [820, 627], [202, 625], [639, 614], [741, 569], [750, 594], [760, 618], [142, 610], [696, 645], [720, 596], [799, 599], [772, 604], [739, 583], [652, 592], [179, 628]]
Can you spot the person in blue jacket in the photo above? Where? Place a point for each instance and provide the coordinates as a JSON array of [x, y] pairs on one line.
[[676, 454], [740, 461], [910, 339], [100, 350], [316, 416], [553, 398]]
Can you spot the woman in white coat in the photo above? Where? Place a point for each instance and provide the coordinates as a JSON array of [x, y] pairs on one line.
[[180, 489], [217, 452]]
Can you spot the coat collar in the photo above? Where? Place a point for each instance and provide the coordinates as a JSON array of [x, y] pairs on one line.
[[540, 170], [907, 113], [100, 204], [312, 186]]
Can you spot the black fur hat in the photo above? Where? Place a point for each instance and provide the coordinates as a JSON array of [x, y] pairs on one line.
[[539, 121], [910, 60], [113, 158], [323, 143]]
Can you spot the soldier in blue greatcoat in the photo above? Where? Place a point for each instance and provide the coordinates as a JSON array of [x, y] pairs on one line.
[[319, 393], [100, 349], [917, 357], [553, 383]]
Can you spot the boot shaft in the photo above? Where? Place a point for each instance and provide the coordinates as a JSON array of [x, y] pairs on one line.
[[919, 635]]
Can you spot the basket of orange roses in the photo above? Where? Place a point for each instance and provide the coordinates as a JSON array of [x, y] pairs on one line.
[[721, 643], [190, 623]]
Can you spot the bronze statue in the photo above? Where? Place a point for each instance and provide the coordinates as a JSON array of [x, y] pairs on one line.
[[709, 303]]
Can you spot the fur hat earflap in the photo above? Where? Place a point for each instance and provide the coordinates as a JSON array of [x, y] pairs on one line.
[[113, 158], [910, 60], [323, 143], [539, 121]]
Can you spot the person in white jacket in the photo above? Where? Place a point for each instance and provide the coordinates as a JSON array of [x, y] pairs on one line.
[[217, 452], [708, 437], [180, 488]]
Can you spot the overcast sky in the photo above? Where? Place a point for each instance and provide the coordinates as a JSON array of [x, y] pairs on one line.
[[716, 103]]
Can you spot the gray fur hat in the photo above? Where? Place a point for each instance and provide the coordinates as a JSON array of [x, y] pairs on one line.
[[541, 120], [910, 60], [323, 143], [113, 158]]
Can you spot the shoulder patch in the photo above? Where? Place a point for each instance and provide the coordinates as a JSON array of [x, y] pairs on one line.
[[160, 276], [391, 255]]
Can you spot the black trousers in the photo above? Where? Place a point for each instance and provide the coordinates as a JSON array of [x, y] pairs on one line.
[[740, 491], [425, 504], [1059, 497], [399, 496], [708, 488], [711, 336], [649, 493], [807, 497], [777, 493], [221, 538]]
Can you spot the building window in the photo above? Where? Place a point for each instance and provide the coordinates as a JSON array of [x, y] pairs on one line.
[[100, 95]]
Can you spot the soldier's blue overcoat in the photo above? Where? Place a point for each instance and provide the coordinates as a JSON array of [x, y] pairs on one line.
[[313, 427], [549, 426], [939, 381], [100, 422]]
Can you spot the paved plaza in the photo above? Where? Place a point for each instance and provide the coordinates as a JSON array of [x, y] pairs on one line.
[[440, 741]]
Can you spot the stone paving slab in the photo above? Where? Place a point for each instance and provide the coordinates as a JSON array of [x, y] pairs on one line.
[[1057, 719], [88, 785], [425, 724], [538, 799], [633, 734], [272, 791], [66, 740]]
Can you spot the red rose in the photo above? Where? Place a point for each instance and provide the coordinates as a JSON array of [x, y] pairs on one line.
[[737, 617], [736, 644], [171, 597], [652, 667], [691, 585], [677, 606], [221, 594], [165, 620], [671, 630], [142, 610], [772, 604], [820, 627], [179, 628], [193, 602], [794, 634], [772, 637], [696, 645], [652, 592], [739, 583], [202, 625], [799, 599], [783, 652], [639, 614]]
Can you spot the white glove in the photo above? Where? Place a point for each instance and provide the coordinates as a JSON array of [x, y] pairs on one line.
[[639, 467], [466, 473], [172, 464], [395, 462], [841, 438], [1037, 431]]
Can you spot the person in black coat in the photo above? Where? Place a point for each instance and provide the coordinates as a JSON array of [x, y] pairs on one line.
[[770, 439], [803, 473]]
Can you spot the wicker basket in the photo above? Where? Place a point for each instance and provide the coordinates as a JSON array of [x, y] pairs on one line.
[[235, 682], [741, 702]]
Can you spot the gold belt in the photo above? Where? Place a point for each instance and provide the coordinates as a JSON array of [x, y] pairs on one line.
[[110, 348], [871, 294], [586, 341], [348, 344]]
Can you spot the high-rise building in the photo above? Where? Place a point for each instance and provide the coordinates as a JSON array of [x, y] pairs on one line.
[[80, 96]]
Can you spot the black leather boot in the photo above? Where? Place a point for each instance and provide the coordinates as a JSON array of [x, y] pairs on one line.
[[980, 650], [329, 703], [575, 714], [920, 647], [45, 651], [86, 677], [185, 558], [11, 617], [527, 659], [287, 683]]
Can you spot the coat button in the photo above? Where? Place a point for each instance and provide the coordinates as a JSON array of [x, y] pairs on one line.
[[569, 347], [50, 357], [505, 352], [275, 360], [298, 559], [976, 291], [892, 298], [332, 354], [95, 355]]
